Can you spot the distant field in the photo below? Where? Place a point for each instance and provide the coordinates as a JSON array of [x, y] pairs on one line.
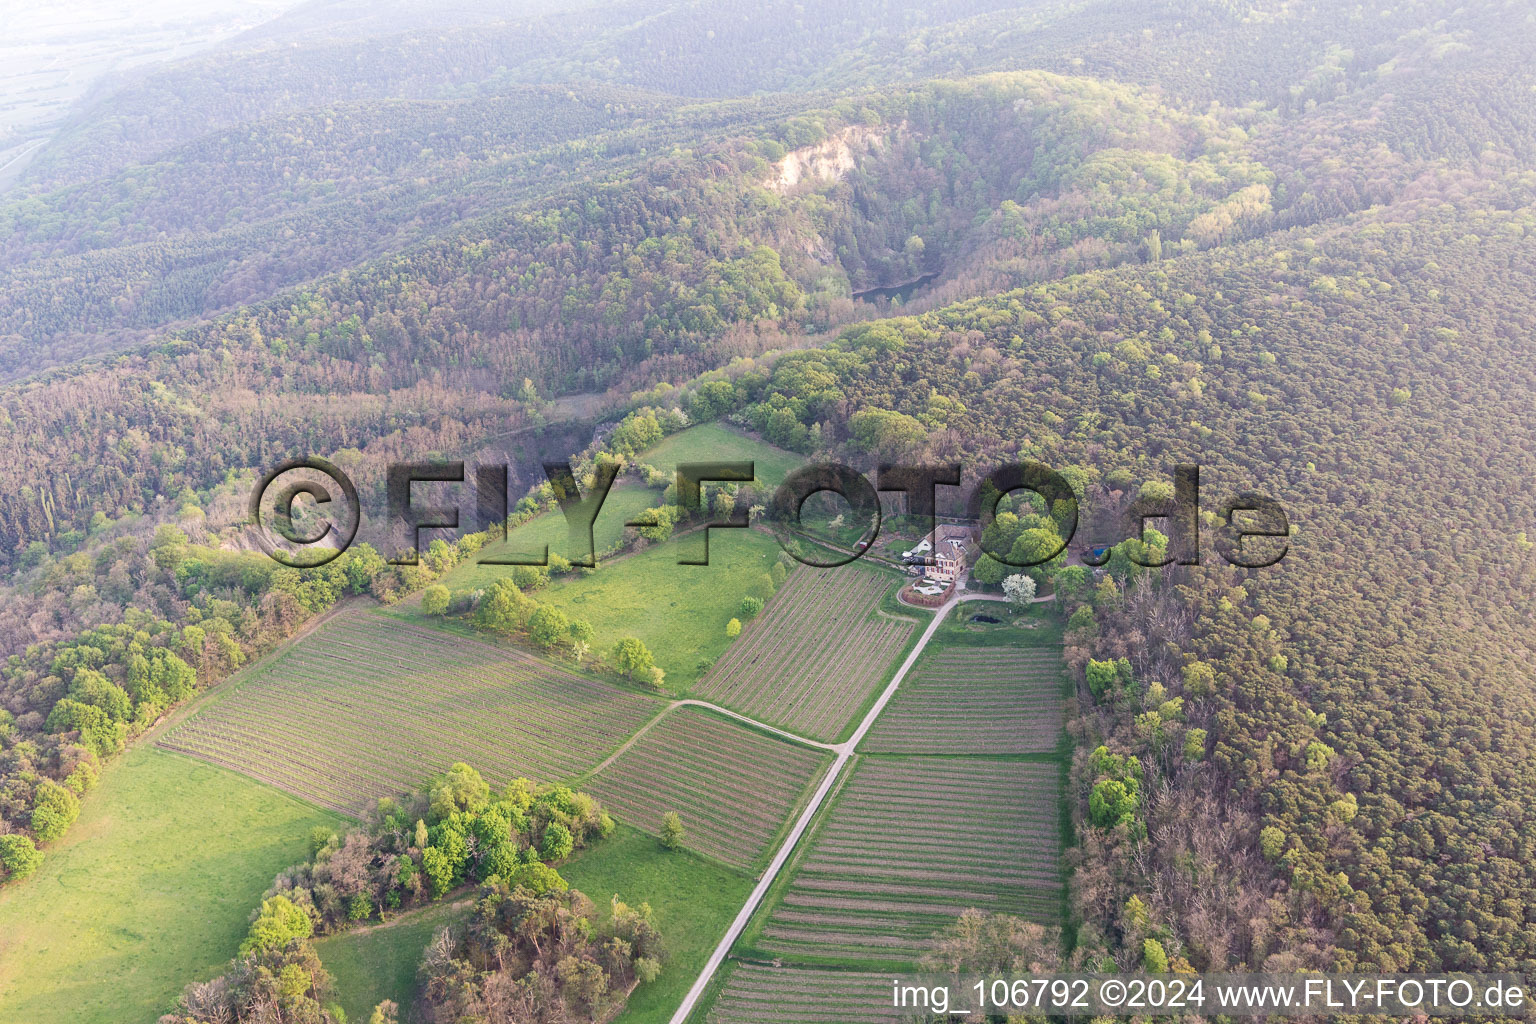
[[814, 656], [708, 443], [680, 611], [909, 844], [763, 994], [379, 962], [733, 787], [151, 889], [623, 503], [693, 898], [714, 442], [975, 700], [370, 706]]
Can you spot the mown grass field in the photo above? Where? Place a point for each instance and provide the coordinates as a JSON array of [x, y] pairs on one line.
[[694, 900], [909, 843], [1038, 626], [369, 706], [377, 963], [679, 611], [624, 502], [733, 787], [152, 888], [710, 442], [812, 659], [716, 442]]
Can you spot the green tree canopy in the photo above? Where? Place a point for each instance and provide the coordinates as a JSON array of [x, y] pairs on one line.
[[19, 857], [632, 658], [278, 923], [461, 788]]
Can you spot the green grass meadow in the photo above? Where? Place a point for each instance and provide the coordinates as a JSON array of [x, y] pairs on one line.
[[694, 900], [679, 611], [377, 963], [151, 889], [714, 442], [708, 443], [1038, 625], [624, 502]]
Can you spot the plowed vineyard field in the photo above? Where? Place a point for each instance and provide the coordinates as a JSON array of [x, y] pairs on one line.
[[369, 706], [811, 660], [910, 843], [975, 700], [733, 786]]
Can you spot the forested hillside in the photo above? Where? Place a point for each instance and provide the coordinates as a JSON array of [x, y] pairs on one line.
[[1292, 243], [329, 152], [1372, 701], [679, 265]]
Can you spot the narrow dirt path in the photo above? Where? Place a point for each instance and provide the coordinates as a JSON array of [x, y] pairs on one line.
[[414, 914], [727, 712], [783, 733]]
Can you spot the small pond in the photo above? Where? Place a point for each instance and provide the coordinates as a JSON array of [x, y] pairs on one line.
[[895, 291]]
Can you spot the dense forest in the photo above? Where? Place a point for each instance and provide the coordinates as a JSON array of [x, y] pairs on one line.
[[696, 258], [1291, 243], [702, 257], [1364, 704]]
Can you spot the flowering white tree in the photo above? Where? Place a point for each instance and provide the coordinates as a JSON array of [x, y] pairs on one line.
[[1020, 590]]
